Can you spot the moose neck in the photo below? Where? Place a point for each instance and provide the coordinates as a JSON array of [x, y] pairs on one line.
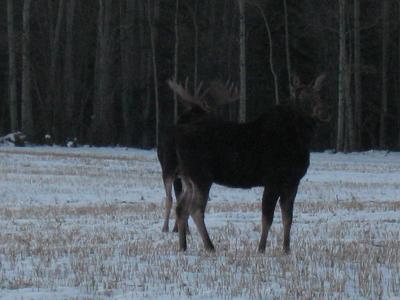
[[192, 115], [290, 120]]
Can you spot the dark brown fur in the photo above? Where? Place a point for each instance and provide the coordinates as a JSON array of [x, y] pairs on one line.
[[166, 153], [272, 151], [198, 106]]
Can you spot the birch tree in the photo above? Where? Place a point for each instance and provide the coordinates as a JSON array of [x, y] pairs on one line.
[[176, 57], [342, 76], [398, 78], [348, 106], [271, 56], [152, 14], [26, 97], [102, 127], [357, 76], [54, 99], [144, 63], [71, 120], [242, 58], [287, 50], [193, 14], [12, 69], [385, 46], [128, 16]]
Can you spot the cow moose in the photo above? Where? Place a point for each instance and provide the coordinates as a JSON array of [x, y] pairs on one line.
[[198, 106], [272, 151]]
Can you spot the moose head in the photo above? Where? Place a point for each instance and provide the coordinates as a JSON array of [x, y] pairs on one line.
[[308, 99]]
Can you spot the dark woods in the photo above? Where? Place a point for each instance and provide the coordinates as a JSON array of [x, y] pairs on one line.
[[97, 70]]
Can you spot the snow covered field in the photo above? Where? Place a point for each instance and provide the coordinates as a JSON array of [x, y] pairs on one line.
[[86, 224]]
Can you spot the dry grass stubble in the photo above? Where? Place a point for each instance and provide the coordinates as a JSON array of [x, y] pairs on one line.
[[341, 249]]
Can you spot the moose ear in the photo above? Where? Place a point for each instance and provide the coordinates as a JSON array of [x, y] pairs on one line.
[[318, 82], [295, 81]]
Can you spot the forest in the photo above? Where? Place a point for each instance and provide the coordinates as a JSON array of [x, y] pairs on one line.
[[96, 71]]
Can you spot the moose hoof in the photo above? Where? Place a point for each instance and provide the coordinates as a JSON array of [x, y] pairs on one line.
[[210, 248], [261, 250], [286, 251]]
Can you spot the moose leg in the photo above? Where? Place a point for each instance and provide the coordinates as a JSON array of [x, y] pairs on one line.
[[197, 212], [270, 197], [182, 216], [286, 202], [168, 201], [184, 203], [178, 191]]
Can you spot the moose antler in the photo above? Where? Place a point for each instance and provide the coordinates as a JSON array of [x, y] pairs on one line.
[[224, 93], [198, 97], [317, 84]]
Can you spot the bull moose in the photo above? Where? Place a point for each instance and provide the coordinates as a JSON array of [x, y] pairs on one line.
[[272, 151]]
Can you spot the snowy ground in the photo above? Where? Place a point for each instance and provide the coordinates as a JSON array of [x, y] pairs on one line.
[[86, 224]]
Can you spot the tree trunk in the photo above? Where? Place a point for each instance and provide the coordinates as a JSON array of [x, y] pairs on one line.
[[143, 77], [193, 13], [398, 84], [71, 120], [212, 56], [271, 57], [242, 66], [54, 100], [357, 77], [127, 18], [196, 43], [342, 76], [102, 128], [287, 50], [231, 59], [385, 46], [26, 97], [176, 58], [146, 143], [12, 69], [349, 119], [152, 15]]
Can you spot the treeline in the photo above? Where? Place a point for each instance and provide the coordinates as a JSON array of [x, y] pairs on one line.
[[97, 70]]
